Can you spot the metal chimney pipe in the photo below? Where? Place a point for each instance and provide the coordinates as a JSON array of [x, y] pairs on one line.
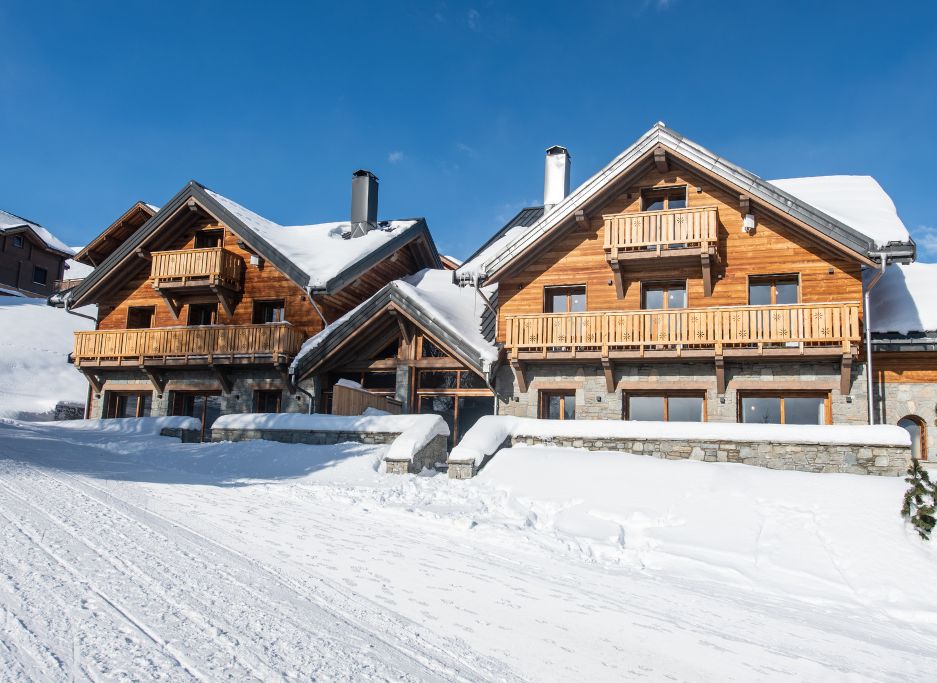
[[363, 202], [555, 177]]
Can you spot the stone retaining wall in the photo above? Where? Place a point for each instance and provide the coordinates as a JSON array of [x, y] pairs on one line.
[[433, 452], [184, 435], [805, 457]]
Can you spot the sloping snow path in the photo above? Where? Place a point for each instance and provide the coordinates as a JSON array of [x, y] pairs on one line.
[[146, 558]]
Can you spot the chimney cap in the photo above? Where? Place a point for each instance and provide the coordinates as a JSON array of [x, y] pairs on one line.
[[363, 173], [557, 149]]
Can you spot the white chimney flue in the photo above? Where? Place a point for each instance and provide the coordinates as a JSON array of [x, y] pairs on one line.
[[555, 177], [363, 202]]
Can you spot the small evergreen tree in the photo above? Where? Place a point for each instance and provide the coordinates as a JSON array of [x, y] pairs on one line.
[[919, 500]]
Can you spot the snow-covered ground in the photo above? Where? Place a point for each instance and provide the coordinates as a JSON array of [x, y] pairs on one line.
[[35, 340], [134, 556]]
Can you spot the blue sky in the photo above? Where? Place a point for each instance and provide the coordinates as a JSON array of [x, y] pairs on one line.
[[451, 104]]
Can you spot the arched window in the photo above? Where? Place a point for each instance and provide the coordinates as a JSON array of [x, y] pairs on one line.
[[917, 428]]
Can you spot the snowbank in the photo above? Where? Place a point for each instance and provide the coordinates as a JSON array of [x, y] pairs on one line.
[[856, 200], [903, 300], [416, 431], [487, 435], [35, 340], [128, 425]]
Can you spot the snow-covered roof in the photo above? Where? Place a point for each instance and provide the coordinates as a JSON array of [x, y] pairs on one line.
[[856, 200], [447, 311], [75, 270], [851, 237], [322, 251], [10, 222], [510, 232], [905, 300]]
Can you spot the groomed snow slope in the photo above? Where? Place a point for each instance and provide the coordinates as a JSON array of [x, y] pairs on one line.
[[146, 558], [35, 340]]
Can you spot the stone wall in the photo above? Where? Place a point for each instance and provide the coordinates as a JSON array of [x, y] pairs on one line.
[[433, 452], [594, 402], [854, 459], [902, 399]]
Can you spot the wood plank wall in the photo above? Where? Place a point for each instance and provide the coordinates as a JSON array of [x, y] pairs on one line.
[[578, 258], [917, 367]]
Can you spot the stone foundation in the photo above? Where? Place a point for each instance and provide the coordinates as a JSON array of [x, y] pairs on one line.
[[184, 435], [433, 452], [808, 457]]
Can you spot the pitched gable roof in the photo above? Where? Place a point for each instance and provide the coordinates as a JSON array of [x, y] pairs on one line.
[[453, 315], [832, 229], [322, 257], [12, 224], [116, 233]]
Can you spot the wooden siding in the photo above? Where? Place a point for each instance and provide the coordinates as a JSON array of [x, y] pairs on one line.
[[351, 401], [578, 258], [918, 367]]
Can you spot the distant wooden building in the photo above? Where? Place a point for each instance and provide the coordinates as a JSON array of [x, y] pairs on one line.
[[32, 259]]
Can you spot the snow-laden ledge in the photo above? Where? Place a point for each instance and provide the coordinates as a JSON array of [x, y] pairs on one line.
[[128, 425], [412, 433], [808, 447]]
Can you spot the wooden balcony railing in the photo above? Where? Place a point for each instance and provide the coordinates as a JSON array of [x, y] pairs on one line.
[[215, 266], [210, 342], [758, 327], [654, 232]]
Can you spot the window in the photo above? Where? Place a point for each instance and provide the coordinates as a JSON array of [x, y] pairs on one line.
[[558, 405], [444, 406], [450, 379], [429, 350], [206, 239], [18, 241], [663, 295], [380, 380], [140, 317], [128, 404], [799, 409], [268, 312], [768, 290], [666, 407], [917, 428], [40, 275], [459, 412], [203, 314], [206, 407], [267, 401], [564, 299], [664, 198]]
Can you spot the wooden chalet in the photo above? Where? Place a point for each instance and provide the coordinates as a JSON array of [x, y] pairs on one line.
[[32, 260], [203, 304], [674, 285]]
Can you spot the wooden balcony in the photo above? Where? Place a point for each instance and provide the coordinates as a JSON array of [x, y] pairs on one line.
[[761, 329], [680, 233], [207, 345], [177, 275]]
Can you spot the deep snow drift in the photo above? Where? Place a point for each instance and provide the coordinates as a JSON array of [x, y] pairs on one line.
[[142, 557], [35, 340]]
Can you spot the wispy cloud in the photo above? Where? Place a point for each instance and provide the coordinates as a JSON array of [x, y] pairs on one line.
[[396, 156], [465, 149], [926, 238], [474, 19]]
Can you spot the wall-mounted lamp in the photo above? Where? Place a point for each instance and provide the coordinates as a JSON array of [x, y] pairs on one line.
[[748, 223]]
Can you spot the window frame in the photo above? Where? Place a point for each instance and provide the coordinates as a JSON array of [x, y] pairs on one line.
[[213, 233], [922, 427], [45, 273], [544, 396], [257, 306], [666, 191], [782, 394], [257, 398], [132, 309], [666, 394], [113, 397], [18, 241], [548, 290], [188, 317], [773, 281], [665, 286]]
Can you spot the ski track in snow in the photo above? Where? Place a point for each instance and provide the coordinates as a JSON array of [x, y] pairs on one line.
[[130, 576]]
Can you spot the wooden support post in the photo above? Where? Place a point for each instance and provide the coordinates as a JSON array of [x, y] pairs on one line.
[[223, 300], [660, 160], [223, 379], [845, 375], [745, 204], [609, 371], [96, 383], [156, 379], [518, 368], [707, 274], [616, 276], [720, 375]]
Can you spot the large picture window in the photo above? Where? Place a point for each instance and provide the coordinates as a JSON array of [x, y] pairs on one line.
[[666, 407], [128, 404], [784, 408]]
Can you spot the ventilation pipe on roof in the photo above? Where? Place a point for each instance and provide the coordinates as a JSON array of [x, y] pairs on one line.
[[363, 202], [555, 177]]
